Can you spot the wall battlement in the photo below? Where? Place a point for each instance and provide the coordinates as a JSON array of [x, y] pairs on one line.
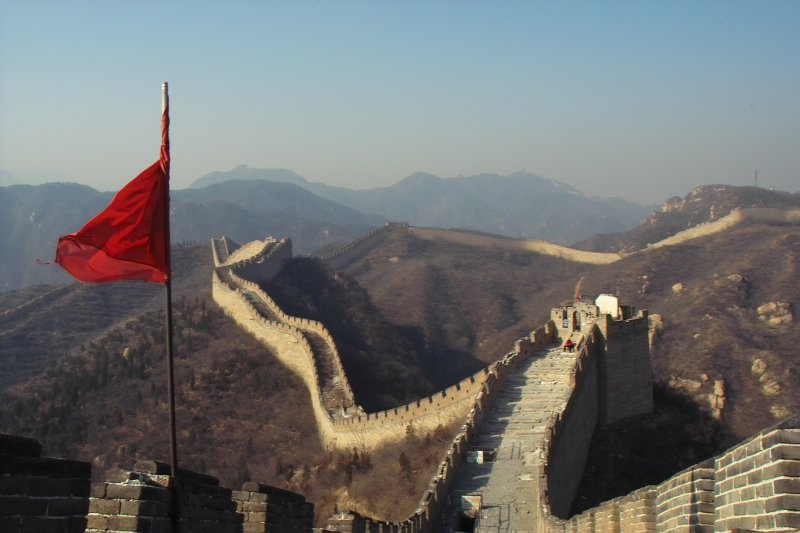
[[236, 288]]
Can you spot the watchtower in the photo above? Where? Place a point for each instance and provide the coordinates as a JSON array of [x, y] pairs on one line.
[[625, 383]]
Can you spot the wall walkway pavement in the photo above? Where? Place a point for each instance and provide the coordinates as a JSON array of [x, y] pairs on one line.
[[514, 432]]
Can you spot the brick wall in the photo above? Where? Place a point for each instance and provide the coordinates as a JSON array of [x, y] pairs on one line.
[[685, 502], [754, 486], [625, 379], [264, 266], [40, 494], [266, 509], [758, 482], [572, 433], [142, 499]]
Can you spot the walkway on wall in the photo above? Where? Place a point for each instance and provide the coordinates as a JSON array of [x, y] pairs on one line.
[[512, 435]]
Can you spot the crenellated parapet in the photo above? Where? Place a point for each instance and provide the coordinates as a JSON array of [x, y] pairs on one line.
[[308, 349]]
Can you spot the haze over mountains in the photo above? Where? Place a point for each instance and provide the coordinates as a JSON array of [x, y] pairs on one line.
[[518, 205], [33, 217], [247, 204]]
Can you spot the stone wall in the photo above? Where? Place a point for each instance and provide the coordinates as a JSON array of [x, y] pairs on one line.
[[625, 375], [344, 255], [40, 494], [686, 500], [284, 336], [285, 341], [766, 215], [259, 261], [753, 486], [298, 324], [572, 431], [757, 483], [528, 245], [268, 509]]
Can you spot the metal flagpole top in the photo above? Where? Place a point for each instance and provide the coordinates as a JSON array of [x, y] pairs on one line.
[[164, 96]]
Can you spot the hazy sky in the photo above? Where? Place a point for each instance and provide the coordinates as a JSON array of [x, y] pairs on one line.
[[638, 99]]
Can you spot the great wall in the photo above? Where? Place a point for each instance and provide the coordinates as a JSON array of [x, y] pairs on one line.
[[513, 466]]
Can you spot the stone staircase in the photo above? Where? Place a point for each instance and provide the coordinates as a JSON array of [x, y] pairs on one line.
[[512, 435]]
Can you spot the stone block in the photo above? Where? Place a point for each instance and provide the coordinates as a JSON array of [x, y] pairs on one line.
[[765, 522], [755, 477], [97, 521], [39, 524], [788, 520], [146, 508], [156, 525], [123, 523], [10, 523], [22, 505], [240, 495], [258, 497], [788, 436], [138, 492], [13, 485], [20, 446], [787, 468], [785, 451], [98, 490], [786, 486], [77, 524], [67, 506], [106, 507], [787, 502], [43, 466], [48, 486], [256, 517]]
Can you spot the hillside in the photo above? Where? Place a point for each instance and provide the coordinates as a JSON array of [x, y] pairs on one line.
[[518, 205], [240, 415], [34, 332], [387, 365]]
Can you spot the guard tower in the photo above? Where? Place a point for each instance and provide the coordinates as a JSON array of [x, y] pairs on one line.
[[625, 383]]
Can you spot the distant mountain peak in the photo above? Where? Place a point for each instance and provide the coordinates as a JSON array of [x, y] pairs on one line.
[[244, 172], [420, 177]]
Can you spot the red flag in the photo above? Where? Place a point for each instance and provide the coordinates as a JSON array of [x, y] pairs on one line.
[[129, 239]]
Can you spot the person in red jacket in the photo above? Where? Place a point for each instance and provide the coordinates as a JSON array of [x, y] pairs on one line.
[[568, 345]]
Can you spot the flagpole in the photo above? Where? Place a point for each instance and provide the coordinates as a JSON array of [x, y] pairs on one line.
[[173, 450]]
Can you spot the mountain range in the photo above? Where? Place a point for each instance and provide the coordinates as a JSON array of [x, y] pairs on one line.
[[33, 217], [518, 205], [248, 204]]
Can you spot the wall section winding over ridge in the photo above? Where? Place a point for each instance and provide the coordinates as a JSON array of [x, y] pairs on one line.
[[766, 215], [342, 426]]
